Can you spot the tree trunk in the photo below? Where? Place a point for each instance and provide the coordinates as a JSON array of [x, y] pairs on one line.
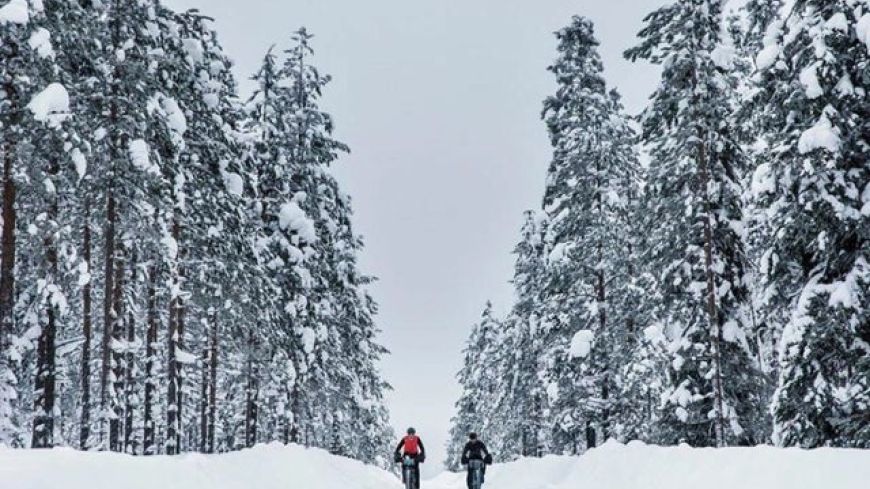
[[172, 379], [601, 299], [293, 428], [7, 260], [715, 330], [177, 306], [251, 395], [108, 312], [180, 371], [212, 383], [203, 397], [87, 306], [148, 445], [45, 383], [129, 391], [117, 356]]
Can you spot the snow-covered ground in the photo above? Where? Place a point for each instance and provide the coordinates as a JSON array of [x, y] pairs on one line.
[[272, 466], [639, 466], [613, 466]]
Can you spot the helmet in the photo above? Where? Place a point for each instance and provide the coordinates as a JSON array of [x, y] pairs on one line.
[[472, 436], [412, 431]]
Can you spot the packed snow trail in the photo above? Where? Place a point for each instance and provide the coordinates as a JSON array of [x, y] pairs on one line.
[[640, 466], [613, 466]]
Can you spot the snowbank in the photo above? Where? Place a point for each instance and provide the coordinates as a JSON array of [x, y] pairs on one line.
[[638, 466], [265, 467]]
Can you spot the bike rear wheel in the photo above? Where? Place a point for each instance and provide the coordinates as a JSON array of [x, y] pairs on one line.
[[410, 479], [476, 468]]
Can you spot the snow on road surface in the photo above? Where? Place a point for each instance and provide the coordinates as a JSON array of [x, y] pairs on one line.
[[613, 466], [639, 466]]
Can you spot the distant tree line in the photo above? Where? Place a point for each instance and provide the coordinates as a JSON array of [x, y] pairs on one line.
[[179, 268], [717, 293]]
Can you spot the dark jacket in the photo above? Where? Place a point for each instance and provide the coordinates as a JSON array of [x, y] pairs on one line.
[[474, 450]]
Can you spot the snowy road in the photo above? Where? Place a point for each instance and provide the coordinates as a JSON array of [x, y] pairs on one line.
[[613, 466]]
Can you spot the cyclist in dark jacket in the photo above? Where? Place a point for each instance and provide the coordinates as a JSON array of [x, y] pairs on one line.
[[412, 446], [475, 450]]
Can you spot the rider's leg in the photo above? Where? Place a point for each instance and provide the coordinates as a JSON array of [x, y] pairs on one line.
[[468, 478], [417, 474]]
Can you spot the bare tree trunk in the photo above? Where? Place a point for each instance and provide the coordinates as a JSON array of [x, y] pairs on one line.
[[591, 436], [172, 379], [605, 381], [108, 312], [45, 383], [129, 388], [85, 428], [180, 369], [117, 356], [251, 395], [293, 418], [203, 397], [7, 260], [43, 423], [148, 445], [212, 382]]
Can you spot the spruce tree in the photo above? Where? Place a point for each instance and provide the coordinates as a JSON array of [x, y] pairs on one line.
[[590, 184], [814, 192], [474, 407], [696, 250]]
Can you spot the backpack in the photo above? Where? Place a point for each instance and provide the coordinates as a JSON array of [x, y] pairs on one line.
[[475, 450], [412, 445]]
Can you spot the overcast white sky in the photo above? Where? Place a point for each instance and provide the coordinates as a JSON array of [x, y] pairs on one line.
[[440, 102]]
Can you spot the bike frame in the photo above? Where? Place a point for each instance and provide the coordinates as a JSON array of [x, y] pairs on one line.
[[408, 464]]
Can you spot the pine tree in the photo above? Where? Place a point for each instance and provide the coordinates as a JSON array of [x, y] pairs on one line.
[[813, 190], [14, 76], [227, 248], [51, 137], [589, 183], [525, 388], [474, 412], [696, 249]]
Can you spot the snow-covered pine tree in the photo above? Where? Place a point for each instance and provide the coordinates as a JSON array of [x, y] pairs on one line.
[[814, 191], [219, 252], [50, 139], [694, 216], [474, 407], [124, 171], [285, 236], [18, 86], [312, 150], [590, 181], [148, 178], [526, 435]]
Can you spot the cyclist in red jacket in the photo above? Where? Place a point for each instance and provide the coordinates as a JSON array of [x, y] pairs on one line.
[[412, 446]]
